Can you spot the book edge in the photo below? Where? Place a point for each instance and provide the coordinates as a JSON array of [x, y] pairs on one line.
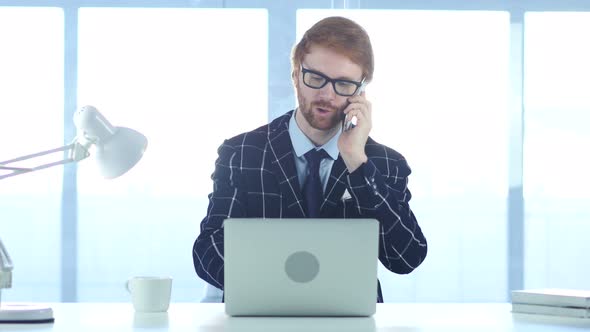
[[536, 297], [536, 309]]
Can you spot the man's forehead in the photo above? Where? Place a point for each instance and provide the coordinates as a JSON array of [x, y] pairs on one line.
[[332, 63]]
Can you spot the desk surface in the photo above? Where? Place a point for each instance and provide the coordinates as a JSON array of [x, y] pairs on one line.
[[196, 317]]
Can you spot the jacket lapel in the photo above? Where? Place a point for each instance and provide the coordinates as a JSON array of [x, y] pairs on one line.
[[283, 166]]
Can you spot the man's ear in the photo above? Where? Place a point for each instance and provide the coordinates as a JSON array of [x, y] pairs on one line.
[[295, 75]]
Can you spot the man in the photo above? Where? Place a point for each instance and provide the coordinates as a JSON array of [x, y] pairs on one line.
[[264, 173]]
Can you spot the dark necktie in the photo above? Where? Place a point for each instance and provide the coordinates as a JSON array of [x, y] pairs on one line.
[[313, 193]]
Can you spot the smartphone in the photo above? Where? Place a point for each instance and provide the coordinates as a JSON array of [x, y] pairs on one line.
[[347, 125]]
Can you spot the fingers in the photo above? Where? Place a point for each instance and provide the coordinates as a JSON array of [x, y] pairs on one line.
[[359, 108]]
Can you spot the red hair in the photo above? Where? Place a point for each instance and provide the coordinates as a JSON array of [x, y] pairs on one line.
[[341, 35]]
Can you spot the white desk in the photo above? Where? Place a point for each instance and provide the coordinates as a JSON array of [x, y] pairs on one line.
[[195, 317]]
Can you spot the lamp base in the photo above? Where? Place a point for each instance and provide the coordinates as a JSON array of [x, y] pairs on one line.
[[25, 314]]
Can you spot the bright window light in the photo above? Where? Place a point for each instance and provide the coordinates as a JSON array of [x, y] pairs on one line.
[[187, 79], [556, 182], [439, 96], [31, 120]]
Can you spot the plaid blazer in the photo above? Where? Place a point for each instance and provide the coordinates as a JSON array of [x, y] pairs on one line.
[[255, 176]]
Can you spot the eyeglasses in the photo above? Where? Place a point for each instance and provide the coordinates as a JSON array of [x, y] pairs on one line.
[[317, 80]]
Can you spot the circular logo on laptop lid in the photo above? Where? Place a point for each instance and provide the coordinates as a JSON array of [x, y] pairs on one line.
[[302, 266]]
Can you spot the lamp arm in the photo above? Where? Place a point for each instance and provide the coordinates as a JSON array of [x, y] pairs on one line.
[[76, 152]]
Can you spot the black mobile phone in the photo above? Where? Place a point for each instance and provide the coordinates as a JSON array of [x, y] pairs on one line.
[[347, 125]]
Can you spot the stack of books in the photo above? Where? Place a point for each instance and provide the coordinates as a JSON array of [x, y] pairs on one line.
[[556, 302]]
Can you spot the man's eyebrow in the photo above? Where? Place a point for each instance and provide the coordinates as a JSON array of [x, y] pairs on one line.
[[345, 78]]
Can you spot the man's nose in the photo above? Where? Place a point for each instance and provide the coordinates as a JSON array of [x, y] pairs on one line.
[[327, 91]]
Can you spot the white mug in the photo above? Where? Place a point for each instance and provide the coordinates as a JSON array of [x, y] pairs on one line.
[[150, 294]]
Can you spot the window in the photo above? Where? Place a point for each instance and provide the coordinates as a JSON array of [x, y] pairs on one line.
[[439, 97], [556, 182], [164, 73], [31, 120]]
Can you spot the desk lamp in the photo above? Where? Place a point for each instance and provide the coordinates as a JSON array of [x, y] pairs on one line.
[[116, 149]]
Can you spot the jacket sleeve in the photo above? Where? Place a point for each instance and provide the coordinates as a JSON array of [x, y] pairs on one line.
[[225, 201], [382, 193]]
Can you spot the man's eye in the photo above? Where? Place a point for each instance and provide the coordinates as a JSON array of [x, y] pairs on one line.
[[316, 78], [345, 85]]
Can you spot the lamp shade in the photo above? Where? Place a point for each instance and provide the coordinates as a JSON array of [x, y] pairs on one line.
[[120, 153], [118, 149]]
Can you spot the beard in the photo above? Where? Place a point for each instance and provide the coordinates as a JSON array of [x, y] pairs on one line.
[[316, 121]]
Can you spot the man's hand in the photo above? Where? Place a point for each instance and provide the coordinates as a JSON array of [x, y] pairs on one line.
[[352, 142]]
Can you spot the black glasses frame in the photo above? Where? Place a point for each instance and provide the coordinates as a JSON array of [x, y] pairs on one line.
[[330, 80]]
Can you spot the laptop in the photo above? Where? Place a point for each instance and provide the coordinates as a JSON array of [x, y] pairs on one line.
[[300, 267]]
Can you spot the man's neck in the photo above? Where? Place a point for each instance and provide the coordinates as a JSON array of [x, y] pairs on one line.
[[316, 136]]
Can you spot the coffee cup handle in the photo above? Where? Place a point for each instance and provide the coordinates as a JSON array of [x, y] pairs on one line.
[[127, 286]]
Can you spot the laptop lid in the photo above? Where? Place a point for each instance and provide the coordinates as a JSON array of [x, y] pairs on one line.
[[300, 267]]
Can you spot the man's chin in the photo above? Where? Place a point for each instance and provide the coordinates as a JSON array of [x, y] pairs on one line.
[[321, 120], [324, 124]]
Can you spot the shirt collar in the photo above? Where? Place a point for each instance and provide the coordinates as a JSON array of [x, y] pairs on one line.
[[302, 144]]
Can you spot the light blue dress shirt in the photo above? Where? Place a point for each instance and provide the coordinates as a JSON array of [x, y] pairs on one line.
[[302, 144]]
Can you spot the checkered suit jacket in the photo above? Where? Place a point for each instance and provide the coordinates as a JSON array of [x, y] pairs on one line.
[[255, 176]]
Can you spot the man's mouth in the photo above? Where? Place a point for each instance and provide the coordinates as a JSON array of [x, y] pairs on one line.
[[323, 109]]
